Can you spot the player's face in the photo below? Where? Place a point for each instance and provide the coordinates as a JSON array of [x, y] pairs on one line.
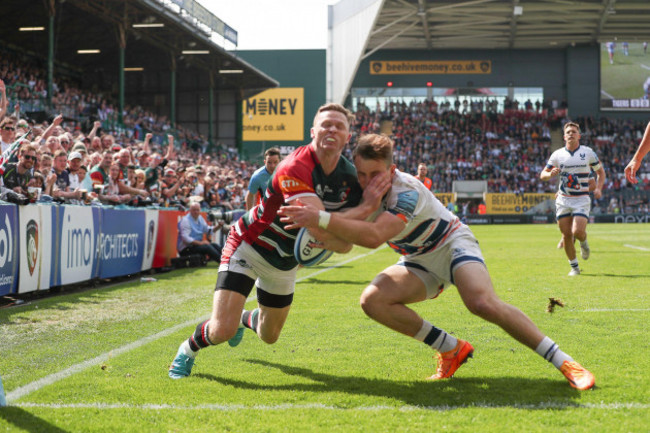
[[571, 136], [367, 169], [331, 131], [271, 162]]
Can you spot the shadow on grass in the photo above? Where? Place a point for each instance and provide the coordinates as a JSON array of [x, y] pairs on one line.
[[495, 392], [23, 420], [615, 275]]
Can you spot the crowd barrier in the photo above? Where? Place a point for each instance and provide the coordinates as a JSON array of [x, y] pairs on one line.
[[44, 246]]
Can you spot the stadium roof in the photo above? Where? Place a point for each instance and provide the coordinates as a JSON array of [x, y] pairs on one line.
[[518, 24], [95, 25], [360, 28]]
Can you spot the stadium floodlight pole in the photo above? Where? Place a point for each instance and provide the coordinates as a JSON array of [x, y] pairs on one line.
[[121, 34], [172, 96], [121, 81], [211, 109], [50, 58]]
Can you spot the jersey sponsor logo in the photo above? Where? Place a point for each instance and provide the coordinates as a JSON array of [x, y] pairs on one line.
[[290, 184]]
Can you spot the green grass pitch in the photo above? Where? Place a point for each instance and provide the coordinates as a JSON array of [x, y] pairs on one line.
[[96, 360]]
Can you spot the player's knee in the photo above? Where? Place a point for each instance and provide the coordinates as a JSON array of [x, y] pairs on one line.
[[579, 233], [371, 300], [482, 306], [269, 336], [219, 331]]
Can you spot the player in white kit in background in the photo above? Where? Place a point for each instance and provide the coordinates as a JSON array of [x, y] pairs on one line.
[[574, 163]]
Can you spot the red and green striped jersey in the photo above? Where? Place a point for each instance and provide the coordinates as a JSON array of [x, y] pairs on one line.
[[298, 175]]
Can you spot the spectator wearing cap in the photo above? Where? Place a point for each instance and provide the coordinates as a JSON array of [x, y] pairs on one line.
[[142, 159], [17, 175], [170, 186], [59, 180], [74, 163], [81, 148]]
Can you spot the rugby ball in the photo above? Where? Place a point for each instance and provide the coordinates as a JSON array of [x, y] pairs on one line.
[[307, 255]]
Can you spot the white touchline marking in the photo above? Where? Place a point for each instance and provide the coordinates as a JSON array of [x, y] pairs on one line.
[[645, 67], [590, 310], [55, 377], [406, 408], [636, 247]]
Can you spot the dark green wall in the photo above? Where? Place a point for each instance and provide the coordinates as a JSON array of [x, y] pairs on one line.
[[291, 68]]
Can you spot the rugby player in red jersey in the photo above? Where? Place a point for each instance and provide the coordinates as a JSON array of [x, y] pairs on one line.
[[259, 249]]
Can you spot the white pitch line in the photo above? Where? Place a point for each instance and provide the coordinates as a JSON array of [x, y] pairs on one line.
[[636, 247], [379, 408], [644, 66], [598, 310], [55, 377]]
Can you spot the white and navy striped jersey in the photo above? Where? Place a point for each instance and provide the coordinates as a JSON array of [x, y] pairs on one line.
[[428, 222], [575, 168]]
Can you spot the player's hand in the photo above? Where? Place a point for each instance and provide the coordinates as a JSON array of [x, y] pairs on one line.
[[376, 189], [597, 193], [630, 171], [555, 171], [299, 215]]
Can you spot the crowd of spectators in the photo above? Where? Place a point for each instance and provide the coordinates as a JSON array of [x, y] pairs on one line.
[[144, 161], [85, 156], [506, 149]]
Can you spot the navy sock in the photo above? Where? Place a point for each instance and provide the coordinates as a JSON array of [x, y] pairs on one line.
[[200, 338]]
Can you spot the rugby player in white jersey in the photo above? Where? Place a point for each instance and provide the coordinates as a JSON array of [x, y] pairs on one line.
[[574, 163], [436, 250]]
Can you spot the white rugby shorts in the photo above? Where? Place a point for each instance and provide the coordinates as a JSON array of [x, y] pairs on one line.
[[436, 268], [245, 260], [572, 206]]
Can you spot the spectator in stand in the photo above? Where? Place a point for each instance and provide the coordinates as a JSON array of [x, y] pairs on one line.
[[100, 173], [170, 185], [16, 176], [74, 164], [7, 133], [422, 175], [192, 230], [59, 180], [111, 192]]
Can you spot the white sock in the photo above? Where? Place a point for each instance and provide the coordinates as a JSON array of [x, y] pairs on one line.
[[436, 338], [185, 347], [551, 352]]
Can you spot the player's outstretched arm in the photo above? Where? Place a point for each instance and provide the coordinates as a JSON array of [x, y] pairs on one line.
[[364, 233], [635, 163]]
